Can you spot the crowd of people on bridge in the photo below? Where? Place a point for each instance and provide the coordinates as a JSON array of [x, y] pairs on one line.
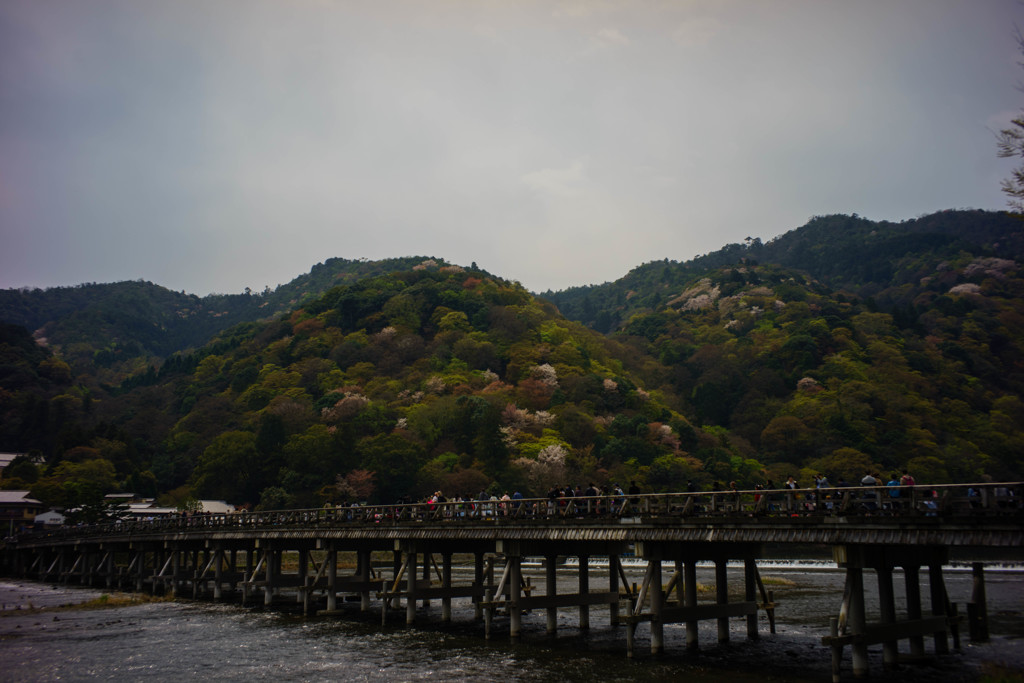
[[601, 499]]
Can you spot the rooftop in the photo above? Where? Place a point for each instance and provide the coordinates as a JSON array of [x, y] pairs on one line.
[[17, 497]]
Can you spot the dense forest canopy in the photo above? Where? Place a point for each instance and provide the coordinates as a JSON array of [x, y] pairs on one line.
[[843, 346]]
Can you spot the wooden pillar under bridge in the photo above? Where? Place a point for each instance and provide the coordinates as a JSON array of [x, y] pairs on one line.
[[750, 594], [194, 573], [446, 583], [397, 560], [478, 580], [614, 567], [550, 590], [300, 594], [158, 568], [515, 588], [977, 609], [140, 569], [490, 594], [690, 594], [332, 576], [584, 582], [268, 568], [81, 555], [912, 580], [887, 612], [427, 559], [657, 603], [857, 618], [111, 568], [363, 559], [88, 560], [218, 572], [938, 592], [410, 585], [250, 570], [722, 597], [175, 571]]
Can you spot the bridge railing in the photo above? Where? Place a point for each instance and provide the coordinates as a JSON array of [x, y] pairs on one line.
[[955, 500]]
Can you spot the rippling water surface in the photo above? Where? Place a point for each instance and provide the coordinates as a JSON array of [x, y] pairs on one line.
[[172, 640]]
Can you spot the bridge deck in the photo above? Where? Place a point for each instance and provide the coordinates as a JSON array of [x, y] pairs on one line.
[[979, 515]]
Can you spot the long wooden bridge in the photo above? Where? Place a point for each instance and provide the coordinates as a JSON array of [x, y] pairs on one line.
[[243, 556]]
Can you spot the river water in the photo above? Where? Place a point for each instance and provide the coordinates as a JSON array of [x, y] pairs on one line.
[[175, 640]]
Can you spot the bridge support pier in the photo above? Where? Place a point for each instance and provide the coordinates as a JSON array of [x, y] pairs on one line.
[[332, 576], [303, 573], [657, 602], [550, 591], [614, 570], [977, 609], [515, 578], [446, 584], [852, 627], [722, 598], [690, 603], [584, 581], [687, 610], [363, 559], [109, 568], [478, 580]]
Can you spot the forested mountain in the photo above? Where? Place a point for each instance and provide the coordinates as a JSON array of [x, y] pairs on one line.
[[113, 330], [400, 382], [431, 378], [889, 262]]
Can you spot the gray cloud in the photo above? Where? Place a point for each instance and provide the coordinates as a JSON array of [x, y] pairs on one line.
[[210, 146]]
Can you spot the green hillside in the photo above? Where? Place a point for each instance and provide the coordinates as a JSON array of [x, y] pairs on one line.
[[385, 383], [890, 262], [109, 331]]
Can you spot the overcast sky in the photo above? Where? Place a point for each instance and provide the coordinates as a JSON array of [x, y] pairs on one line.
[[213, 145]]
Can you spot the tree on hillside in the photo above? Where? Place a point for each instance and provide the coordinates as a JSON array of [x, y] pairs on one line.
[[231, 469], [1011, 146]]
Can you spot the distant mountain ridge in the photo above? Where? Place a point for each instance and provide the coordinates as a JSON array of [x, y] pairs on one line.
[[129, 322], [125, 321], [879, 259]]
